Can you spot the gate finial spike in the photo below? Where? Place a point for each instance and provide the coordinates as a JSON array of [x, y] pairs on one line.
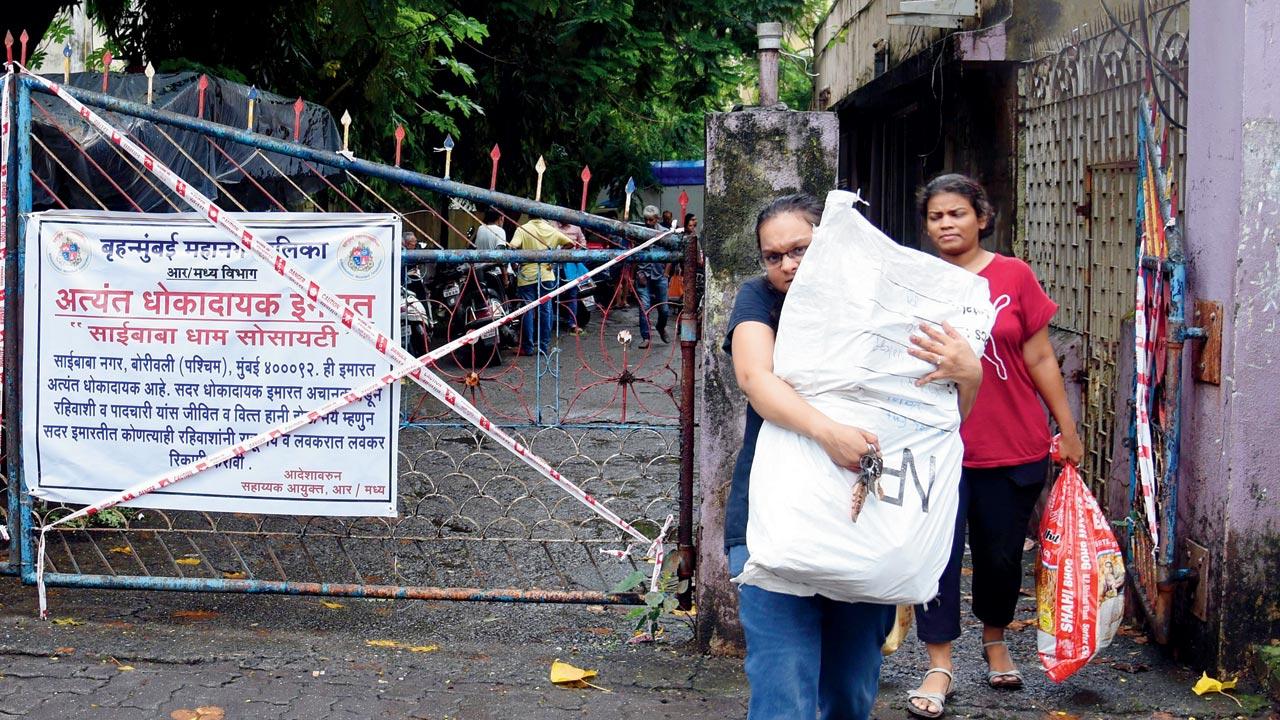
[[626, 206], [150, 72], [494, 154], [448, 154], [346, 131], [541, 167], [201, 85], [66, 63], [24, 37], [8, 45], [298, 107], [253, 100], [107, 57], [399, 141], [586, 180]]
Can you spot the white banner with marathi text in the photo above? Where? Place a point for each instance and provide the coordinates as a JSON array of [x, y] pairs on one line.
[[152, 340]]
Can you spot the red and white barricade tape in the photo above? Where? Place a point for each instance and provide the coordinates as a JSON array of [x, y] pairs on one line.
[[1142, 412], [405, 364], [4, 220]]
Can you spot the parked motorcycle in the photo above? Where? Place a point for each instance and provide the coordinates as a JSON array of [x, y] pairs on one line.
[[466, 297], [416, 322]]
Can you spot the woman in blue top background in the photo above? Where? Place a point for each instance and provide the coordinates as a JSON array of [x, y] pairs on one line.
[[807, 656]]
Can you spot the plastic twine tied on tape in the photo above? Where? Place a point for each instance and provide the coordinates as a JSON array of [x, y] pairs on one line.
[[405, 364]]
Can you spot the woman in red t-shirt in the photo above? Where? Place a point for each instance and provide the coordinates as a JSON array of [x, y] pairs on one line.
[[1006, 441]]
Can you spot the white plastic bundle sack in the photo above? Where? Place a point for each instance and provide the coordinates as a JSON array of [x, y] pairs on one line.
[[842, 344]]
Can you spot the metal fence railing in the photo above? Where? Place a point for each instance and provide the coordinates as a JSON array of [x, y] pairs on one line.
[[474, 522]]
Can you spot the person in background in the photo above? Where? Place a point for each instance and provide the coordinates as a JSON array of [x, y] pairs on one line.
[[570, 298], [409, 241], [667, 217], [1006, 442], [651, 287], [491, 236], [675, 282], [807, 655], [536, 279]]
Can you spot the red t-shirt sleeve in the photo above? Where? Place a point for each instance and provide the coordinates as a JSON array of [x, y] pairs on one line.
[[1037, 307]]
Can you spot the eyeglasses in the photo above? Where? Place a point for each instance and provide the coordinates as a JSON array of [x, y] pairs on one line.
[[773, 259]]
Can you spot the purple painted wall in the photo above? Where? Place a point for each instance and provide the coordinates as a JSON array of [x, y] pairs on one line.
[[1229, 483]]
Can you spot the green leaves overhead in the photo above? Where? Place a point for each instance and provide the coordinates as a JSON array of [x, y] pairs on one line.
[[612, 84]]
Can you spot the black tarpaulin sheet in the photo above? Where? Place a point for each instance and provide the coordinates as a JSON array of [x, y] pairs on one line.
[[80, 165]]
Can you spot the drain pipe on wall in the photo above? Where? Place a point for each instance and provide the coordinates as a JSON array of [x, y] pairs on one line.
[[769, 37]]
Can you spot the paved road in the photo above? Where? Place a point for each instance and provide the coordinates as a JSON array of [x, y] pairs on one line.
[[126, 655]]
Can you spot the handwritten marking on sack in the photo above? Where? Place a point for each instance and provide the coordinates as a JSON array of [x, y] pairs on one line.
[[908, 467]]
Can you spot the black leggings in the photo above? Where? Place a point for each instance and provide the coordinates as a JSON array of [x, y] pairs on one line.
[[995, 504]]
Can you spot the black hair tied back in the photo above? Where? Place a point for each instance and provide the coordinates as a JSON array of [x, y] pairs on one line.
[[803, 204], [964, 186]]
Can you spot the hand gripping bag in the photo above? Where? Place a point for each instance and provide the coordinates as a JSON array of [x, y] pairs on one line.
[[1080, 581], [842, 344]]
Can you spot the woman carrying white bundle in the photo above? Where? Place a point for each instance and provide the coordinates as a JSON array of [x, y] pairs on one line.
[[807, 656]]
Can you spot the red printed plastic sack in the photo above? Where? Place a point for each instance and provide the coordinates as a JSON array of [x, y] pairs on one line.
[[1080, 583]]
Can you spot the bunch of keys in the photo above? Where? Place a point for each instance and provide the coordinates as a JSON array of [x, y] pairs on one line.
[[871, 467]]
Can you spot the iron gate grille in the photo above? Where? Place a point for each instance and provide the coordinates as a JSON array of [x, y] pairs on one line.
[[1078, 120], [474, 522]]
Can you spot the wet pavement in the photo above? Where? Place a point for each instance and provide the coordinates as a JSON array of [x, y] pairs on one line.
[[127, 654]]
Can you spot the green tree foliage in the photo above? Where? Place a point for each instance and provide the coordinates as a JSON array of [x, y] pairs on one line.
[[608, 83], [605, 83], [385, 62]]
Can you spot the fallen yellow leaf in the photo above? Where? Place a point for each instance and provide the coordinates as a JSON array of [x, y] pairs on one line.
[[562, 672], [64, 650], [331, 605], [691, 612], [1207, 684], [188, 561], [122, 550], [237, 575], [208, 712], [402, 646], [125, 668], [565, 675], [67, 621]]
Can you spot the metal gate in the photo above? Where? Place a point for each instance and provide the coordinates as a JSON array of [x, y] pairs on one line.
[[1079, 118], [474, 522]]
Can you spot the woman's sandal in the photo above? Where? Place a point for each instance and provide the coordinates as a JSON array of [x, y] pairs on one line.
[[938, 699], [1010, 679]]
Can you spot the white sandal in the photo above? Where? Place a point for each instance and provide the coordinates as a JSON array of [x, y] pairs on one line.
[[1014, 676], [939, 699]]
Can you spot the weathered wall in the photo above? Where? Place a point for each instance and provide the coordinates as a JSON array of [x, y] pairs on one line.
[[847, 36], [1229, 486], [752, 157]]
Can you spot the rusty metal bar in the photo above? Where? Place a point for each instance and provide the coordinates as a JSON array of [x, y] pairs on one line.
[[688, 329], [288, 587], [364, 167]]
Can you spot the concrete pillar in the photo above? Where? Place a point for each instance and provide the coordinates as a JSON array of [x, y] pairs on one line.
[[1229, 486], [752, 157]]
